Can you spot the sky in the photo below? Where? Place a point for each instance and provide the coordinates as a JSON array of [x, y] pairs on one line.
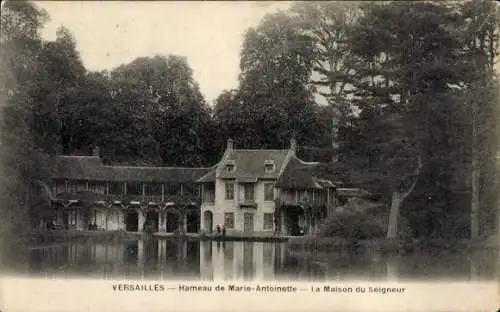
[[209, 34]]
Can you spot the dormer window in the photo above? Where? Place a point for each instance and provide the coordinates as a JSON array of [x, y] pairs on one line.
[[269, 165], [230, 166]]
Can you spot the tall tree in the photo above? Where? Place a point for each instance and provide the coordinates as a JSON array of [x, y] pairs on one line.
[[275, 69], [412, 54], [480, 29], [20, 152], [164, 114], [328, 25]]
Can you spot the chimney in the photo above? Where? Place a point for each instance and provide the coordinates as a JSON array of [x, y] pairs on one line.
[[293, 145], [96, 152], [229, 144]]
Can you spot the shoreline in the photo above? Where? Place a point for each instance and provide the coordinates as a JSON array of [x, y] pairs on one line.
[[50, 237], [301, 244]]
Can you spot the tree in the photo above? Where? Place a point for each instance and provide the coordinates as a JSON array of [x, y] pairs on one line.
[[276, 102], [410, 56], [21, 153], [480, 28], [163, 114], [328, 26]]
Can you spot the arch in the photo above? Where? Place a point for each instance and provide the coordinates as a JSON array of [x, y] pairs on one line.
[[208, 221], [173, 220], [192, 221], [152, 220], [131, 218]]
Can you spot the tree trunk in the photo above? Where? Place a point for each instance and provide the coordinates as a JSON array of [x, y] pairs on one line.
[[397, 199], [474, 217], [392, 227], [474, 205]]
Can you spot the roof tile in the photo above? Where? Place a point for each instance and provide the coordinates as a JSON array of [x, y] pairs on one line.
[[250, 164]]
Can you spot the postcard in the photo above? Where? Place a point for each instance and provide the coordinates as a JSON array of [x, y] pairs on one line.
[[249, 156]]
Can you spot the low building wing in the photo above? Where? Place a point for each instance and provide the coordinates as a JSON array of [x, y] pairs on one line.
[[91, 168]]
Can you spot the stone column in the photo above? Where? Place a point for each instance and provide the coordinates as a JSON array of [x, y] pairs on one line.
[[160, 222], [140, 220], [184, 222], [283, 230]]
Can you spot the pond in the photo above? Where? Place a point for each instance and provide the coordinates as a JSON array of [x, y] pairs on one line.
[[168, 259]]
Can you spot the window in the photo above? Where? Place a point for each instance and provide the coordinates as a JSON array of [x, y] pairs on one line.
[[72, 218], [268, 191], [229, 220], [249, 191], [209, 193], [268, 221], [229, 190], [230, 166], [269, 165]]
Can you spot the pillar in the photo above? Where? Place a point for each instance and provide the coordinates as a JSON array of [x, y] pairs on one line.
[[160, 222], [140, 220], [282, 223], [184, 222]]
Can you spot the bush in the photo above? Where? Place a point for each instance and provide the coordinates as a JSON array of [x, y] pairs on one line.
[[357, 220], [353, 225]]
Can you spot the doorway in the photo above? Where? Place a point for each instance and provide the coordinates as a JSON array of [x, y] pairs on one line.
[[131, 221], [152, 221], [294, 219], [208, 218], [248, 222], [172, 221], [193, 222]]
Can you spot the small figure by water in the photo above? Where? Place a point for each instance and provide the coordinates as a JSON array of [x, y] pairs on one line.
[[217, 229], [223, 231]]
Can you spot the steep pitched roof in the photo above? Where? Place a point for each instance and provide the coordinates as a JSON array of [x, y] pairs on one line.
[[208, 177], [302, 175], [250, 164], [156, 174], [79, 168], [92, 168]]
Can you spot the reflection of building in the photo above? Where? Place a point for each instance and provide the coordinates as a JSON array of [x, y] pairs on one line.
[[250, 191], [239, 260]]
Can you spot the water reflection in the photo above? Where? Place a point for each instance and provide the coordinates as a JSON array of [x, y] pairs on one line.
[[207, 260]]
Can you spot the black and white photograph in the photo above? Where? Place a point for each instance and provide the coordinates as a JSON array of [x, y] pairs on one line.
[[245, 141]]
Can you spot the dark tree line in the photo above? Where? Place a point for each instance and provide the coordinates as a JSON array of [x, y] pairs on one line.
[[411, 90]]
